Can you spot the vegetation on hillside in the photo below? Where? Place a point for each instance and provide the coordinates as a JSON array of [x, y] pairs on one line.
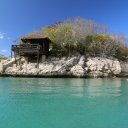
[[80, 36], [2, 57]]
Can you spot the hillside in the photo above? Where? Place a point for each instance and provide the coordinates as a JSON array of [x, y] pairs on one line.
[[85, 37]]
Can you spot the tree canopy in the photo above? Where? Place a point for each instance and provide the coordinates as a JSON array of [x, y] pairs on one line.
[[77, 35]]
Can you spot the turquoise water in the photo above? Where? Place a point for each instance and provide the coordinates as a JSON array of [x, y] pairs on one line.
[[63, 103]]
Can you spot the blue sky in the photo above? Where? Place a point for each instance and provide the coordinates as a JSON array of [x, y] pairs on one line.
[[20, 17]]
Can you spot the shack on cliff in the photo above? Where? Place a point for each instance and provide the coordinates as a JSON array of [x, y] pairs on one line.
[[33, 46]]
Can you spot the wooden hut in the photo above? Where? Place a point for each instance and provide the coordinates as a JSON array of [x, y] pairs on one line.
[[33, 46]]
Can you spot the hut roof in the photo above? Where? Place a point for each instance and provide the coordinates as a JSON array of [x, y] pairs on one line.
[[34, 36]]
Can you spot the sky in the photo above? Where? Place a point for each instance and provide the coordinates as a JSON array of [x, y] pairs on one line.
[[21, 17]]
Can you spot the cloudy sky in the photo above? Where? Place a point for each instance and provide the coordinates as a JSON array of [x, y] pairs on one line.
[[20, 17]]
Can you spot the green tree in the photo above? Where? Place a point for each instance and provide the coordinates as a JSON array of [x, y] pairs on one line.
[[77, 35], [62, 38]]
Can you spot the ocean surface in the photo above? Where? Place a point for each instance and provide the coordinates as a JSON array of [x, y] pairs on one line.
[[63, 103]]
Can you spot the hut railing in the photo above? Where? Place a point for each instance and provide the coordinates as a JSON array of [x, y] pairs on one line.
[[26, 48]]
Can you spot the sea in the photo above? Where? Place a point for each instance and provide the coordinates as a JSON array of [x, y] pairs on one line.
[[63, 102]]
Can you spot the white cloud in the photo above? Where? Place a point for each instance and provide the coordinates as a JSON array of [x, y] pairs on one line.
[[2, 35], [4, 50]]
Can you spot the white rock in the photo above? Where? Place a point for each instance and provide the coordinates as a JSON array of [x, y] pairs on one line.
[[76, 66], [77, 70], [81, 61], [101, 66]]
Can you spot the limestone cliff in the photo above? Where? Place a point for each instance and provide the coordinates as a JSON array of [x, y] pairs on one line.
[[76, 66]]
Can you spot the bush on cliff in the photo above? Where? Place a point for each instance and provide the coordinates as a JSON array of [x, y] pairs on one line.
[[2, 57]]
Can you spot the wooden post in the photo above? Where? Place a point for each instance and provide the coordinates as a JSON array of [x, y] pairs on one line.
[[20, 60], [38, 59], [27, 59], [43, 58], [15, 56], [11, 53]]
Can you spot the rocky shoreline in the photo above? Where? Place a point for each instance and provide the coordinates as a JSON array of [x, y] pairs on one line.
[[76, 66]]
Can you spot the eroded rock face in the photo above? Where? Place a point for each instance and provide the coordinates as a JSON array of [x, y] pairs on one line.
[[102, 67], [78, 69], [78, 66], [124, 69]]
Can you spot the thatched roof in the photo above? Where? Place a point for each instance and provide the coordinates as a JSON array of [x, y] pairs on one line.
[[34, 36]]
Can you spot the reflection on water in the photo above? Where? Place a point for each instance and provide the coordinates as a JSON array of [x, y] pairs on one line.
[[104, 87], [63, 103], [70, 87]]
